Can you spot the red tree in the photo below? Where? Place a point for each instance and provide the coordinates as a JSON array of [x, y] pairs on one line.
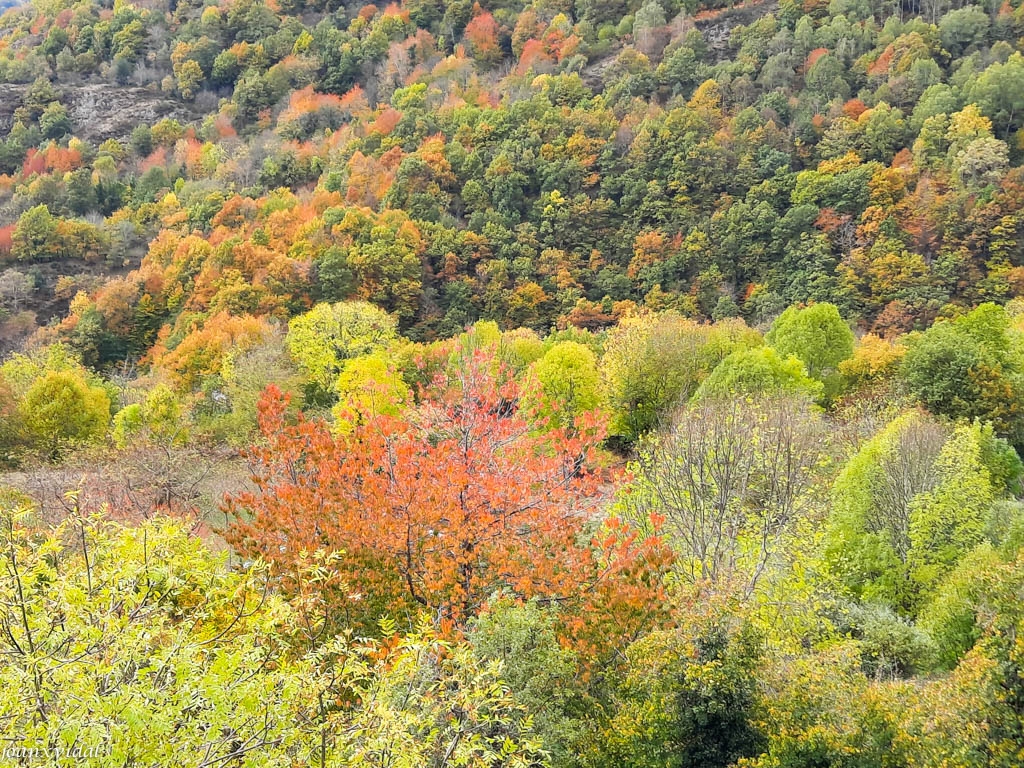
[[482, 36], [6, 239], [440, 509]]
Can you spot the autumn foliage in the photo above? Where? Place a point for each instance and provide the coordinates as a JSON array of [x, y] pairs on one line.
[[482, 34], [446, 507]]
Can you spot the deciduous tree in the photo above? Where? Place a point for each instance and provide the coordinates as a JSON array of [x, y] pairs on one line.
[[439, 509]]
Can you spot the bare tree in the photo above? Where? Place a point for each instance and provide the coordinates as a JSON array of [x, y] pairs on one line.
[[15, 288], [728, 479], [907, 468], [148, 477]]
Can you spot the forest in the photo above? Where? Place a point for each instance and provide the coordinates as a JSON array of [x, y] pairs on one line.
[[512, 384]]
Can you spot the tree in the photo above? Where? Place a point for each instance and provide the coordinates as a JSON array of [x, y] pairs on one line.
[[981, 163], [384, 253], [970, 368], [175, 652], [81, 191], [816, 335], [519, 348], [61, 409], [821, 709], [906, 507], [159, 416], [473, 501], [367, 387], [949, 520], [11, 428], [188, 76], [132, 599], [163, 465], [649, 28], [243, 377], [972, 717], [252, 94], [653, 363], [600, 12], [999, 93], [729, 479], [875, 359], [482, 36], [564, 384], [542, 674], [15, 288], [200, 356], [127, 42], [963, 28], [35, 236], [758, 371], [323, 339], [54, 122], [689, 697], [424, 703]]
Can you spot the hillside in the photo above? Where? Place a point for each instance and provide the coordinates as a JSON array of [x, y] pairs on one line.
[[512, 384], [728, 160]]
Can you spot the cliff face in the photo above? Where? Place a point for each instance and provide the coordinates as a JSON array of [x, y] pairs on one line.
[[716, 26], [10, 98], [101, 111]]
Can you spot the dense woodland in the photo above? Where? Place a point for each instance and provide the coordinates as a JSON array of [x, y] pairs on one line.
[[569, 384]]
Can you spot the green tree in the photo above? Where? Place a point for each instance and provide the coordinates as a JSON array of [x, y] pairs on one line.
[[35, 236], [565, 383], [820, 709], [368, 386], [54, 122], [164, 662], [321, 340], [542, 674], [177, 653], [160, 417], [759, 371], [963, 28], [519, 348], [972, 717], [906, 507], [128, 41], [949, 520], [999, 93], [816, 335], [654, 363], [188, 76], [970, 368], [61, 409], [689, 697]]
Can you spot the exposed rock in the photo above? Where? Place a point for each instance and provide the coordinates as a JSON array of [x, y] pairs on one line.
[[10, 99], [102, 111], [716, 26], [595, 73]]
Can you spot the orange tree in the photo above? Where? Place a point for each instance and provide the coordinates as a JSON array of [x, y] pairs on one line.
[[445, 506]]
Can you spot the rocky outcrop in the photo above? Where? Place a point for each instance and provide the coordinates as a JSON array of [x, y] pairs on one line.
[[717, 25], [10, 98], [102, 111]]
